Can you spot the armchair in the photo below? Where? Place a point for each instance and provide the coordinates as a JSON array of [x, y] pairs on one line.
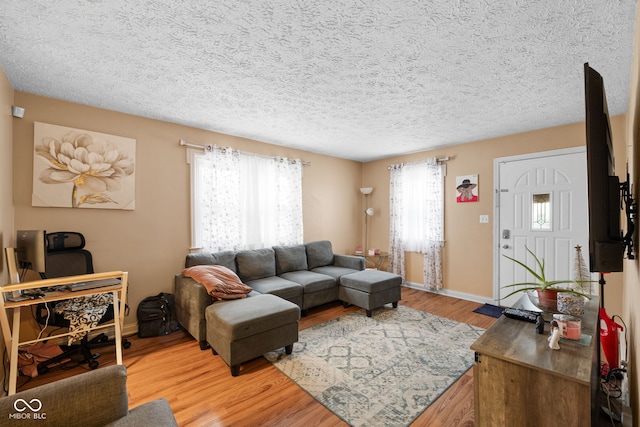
[[94, 398]]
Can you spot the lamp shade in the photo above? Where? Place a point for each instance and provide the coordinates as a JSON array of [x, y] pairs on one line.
[[366, 190]]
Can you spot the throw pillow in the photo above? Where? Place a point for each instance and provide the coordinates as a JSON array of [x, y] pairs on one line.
[[220, 282]]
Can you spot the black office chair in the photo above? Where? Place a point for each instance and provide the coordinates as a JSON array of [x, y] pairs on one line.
[[66, 256]]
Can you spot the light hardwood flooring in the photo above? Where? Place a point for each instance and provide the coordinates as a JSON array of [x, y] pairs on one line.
[[202, 392]]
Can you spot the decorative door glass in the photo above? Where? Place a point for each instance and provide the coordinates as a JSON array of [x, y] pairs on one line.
[[541, 212]]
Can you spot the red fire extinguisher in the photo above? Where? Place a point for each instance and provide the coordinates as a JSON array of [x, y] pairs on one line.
[[609, 339]]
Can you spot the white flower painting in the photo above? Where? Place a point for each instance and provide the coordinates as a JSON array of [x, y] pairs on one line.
[[78, 168]]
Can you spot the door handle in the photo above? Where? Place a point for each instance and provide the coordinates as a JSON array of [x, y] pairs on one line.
[[505, 246]]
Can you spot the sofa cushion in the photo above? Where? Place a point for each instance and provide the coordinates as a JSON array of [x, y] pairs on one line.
[[290, 258], [156, 413], [319, 254], [371, 281], [226, 258], [242, 319], [276, 285], [334, 271], [310, 281], [220, 282], [256, 264]]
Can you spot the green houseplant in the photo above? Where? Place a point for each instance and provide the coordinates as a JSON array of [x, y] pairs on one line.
[[547, 289]]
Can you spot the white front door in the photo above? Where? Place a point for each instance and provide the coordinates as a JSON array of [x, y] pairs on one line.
[[541, 203]]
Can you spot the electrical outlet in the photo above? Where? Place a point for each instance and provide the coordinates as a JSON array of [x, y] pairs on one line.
[[484, 219]]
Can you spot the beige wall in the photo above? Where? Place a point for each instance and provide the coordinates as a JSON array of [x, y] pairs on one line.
[[6, 187], [468, 252], [6, 168], [151, 242]]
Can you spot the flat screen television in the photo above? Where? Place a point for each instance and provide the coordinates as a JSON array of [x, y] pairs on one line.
[[31, 248], [606, 243]]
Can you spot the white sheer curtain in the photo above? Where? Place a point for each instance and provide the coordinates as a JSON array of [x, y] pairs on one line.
[[244, 201], [417, 218], [219, 210]]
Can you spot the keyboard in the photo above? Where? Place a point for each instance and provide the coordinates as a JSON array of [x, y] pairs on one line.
[[92, 284]]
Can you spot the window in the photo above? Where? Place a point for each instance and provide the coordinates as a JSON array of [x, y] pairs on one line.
[[244, 201]]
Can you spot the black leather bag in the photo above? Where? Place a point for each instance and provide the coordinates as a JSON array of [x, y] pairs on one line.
[[156, 316]]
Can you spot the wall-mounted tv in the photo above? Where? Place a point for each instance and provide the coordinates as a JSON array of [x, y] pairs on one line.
[[606, 240], [31, 250]]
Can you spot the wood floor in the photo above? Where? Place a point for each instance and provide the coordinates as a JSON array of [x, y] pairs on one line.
[[202, 392]]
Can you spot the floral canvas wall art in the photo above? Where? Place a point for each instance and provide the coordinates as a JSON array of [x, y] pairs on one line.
[[78, 168]]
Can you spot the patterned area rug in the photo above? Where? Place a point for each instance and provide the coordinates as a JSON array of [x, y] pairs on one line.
[[379, 371]]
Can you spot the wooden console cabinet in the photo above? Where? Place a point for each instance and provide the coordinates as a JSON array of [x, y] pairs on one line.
[[519, 381]]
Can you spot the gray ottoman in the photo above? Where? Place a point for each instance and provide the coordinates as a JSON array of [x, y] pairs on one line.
[[243, 329], [370, 289]]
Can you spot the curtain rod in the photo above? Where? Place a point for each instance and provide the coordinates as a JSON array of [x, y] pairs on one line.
[[440, 160], [210, 147]]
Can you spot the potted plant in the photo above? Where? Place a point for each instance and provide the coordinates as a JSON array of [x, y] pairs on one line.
[[547, 289]]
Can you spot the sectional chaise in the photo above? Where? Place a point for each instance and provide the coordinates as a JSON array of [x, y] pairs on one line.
[[302, 276]]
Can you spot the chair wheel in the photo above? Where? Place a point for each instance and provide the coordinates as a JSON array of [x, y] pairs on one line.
[[42, 369], [104, 338], [93, 364], [126, 344]]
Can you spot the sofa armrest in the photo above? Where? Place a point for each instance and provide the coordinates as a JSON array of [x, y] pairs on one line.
[[156, 413], [349, 261], [96, 397], [191, 301]]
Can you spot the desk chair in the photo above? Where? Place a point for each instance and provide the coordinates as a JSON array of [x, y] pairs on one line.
[[66, 256]]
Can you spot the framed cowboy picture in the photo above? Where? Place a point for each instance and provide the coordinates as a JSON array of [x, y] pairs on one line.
[[467, 188]]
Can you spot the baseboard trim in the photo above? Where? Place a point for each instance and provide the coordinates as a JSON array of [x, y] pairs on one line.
[[130, 329], [454, 294]]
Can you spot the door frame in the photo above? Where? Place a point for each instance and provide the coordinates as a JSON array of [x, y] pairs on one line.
[[496, 202]]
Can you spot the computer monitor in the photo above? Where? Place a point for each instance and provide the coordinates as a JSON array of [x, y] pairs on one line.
[[31, 250]]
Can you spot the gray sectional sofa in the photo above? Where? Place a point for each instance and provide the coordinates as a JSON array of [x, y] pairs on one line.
[[308, 275]]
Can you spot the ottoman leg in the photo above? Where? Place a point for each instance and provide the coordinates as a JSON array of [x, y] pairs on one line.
[[204, 345], [395, 304], [213, 350], [235, 370], [288, 349], [369, 312]]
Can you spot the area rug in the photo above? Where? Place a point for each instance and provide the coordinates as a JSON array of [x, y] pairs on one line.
[[383, 370], [490, 310]]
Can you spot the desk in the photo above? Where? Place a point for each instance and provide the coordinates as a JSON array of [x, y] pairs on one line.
[[12, 334]]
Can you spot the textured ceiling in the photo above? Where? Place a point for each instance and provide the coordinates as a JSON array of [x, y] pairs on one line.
[[361, 79]]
